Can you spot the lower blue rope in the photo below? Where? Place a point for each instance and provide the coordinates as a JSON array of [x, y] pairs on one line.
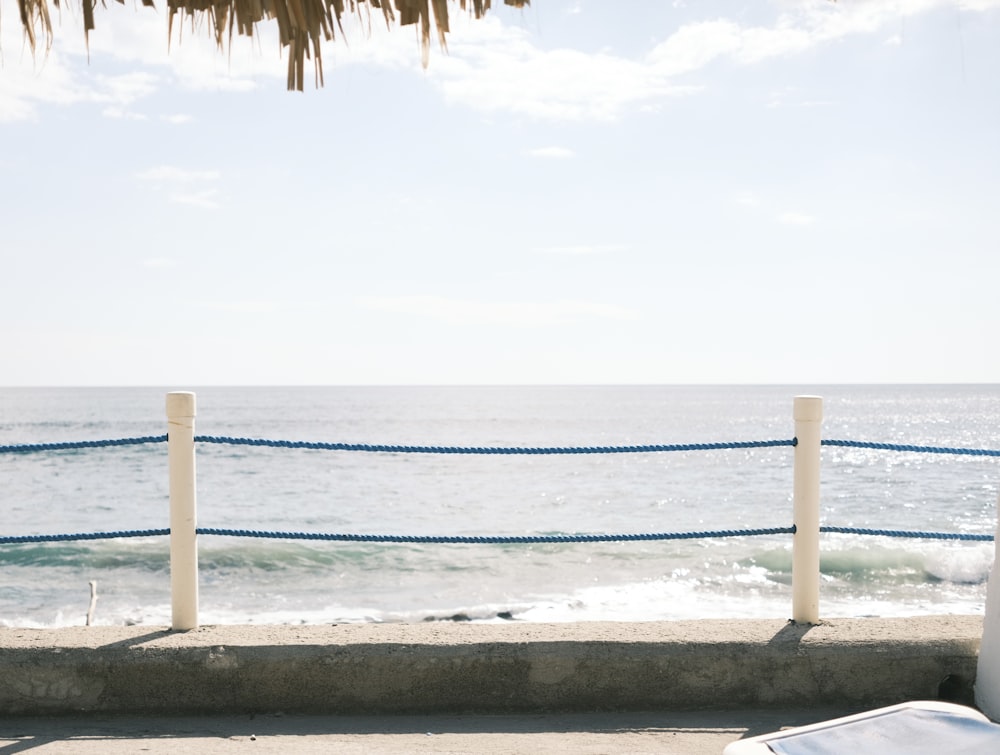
[[472, 539], [10, 539], [492, 539], [908, 533], [916, 449]]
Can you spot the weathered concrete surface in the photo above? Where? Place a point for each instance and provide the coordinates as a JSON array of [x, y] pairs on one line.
[[488, 668], [669, 733]]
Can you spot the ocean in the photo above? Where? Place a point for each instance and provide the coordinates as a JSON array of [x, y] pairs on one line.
[[286, 581]]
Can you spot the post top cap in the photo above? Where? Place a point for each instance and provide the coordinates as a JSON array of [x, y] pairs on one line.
[[808, 408], [180, 404]]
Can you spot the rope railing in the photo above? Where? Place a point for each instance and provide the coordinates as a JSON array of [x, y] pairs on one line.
[[915, 534], [412, 449], [495, 539], [81, 444], [181, 442], [70, 537], [492, 450], [909, 448]]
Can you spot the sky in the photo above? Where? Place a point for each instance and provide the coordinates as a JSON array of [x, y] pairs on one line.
[[579, 192]]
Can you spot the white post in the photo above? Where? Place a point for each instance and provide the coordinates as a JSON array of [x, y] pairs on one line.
[[988, 670], [183, 519], [805, 543]]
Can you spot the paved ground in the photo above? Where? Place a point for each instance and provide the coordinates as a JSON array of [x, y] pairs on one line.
[[699, 733]]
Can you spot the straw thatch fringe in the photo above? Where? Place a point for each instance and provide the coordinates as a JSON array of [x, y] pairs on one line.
[[302, 24]]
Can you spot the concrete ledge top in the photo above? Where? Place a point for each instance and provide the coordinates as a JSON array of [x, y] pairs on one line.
[[840, 634]]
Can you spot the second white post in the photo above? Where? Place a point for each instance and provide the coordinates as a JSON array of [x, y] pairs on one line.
[[183, 511], [805, 543]]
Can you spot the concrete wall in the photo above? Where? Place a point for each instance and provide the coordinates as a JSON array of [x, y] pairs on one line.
[[492, 668]]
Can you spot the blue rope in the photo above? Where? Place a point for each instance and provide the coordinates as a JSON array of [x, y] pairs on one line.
[[489, 450], [72, 445], [32, 447], [499, 450], [488, 539], [905, 533], [491, 540], [917, 449], [10, 539]]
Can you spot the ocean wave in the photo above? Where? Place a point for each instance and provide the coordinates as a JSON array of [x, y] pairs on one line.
[[876, 562]]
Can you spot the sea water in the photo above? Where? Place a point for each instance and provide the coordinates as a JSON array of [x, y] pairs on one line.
[[289, 581]]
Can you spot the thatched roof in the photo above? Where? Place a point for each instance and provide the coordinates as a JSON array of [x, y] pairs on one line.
[[302, 24]]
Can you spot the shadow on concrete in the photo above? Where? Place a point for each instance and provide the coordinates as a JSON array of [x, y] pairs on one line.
[[132, 642], [791, 634]]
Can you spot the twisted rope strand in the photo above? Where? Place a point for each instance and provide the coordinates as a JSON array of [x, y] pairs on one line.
[[917, 449], [73, 445], [492, 539], [389, 448], [908, 533], [497, 450], [376, 448], [14, 539]]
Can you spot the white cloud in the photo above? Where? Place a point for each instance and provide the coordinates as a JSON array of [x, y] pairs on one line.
[[179, 175], [374, 45], [492, 67], [29, 80], [694, 46], [557, 153], [184, 186], [14, 108], [519, 313], [205, 198], [978, 5], [792, 97], [128, 87], [67, 74], [799, 27], [158, 262], [582, 250], [178, 119], [119, 113], [243, 307], [795, 218]]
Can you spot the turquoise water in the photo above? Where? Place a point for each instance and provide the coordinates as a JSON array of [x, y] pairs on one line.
[[353, 492]]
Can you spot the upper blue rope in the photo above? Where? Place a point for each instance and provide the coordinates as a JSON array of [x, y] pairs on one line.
[[73, 445], [497, 450], [916, 449]]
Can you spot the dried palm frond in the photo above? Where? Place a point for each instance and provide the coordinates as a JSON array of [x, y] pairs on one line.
[[302, 24], [35, 13]]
